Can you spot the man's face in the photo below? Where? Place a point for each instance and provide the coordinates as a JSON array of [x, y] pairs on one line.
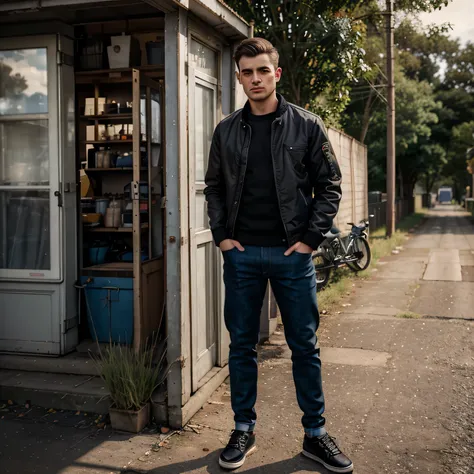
[[258, 76]]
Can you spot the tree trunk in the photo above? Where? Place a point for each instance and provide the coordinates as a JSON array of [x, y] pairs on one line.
[[430, 181], [427, 184], [401, 184]]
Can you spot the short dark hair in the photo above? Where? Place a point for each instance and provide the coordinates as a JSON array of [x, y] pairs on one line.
[[252, 47]]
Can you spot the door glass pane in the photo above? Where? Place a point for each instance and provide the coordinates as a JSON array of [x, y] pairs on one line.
[[202, 220], [23, 81], [205, 301], [204, 58], [24, 153], [156, 165], [204, 127], [25, 230], [155, 117]]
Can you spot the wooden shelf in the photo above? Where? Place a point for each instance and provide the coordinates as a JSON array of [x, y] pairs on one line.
[[111, 170], [123, 85], [117, 142], [107, 142], [123, 75], [107, 117], [107, 230], [125, 266], [117, 269], [99, 72]]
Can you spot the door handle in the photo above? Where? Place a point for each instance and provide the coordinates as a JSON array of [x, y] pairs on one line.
[[60, 198]]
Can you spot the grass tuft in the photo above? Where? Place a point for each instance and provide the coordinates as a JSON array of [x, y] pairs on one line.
[[131, 376], [408, 315], [380, 246]]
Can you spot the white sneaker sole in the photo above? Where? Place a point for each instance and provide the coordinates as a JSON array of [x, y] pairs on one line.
[[327, 466], [236, 465]]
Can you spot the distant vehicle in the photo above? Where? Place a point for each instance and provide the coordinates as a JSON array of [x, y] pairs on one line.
[[445, 195]]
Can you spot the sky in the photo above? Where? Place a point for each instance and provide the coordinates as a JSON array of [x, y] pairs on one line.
[[460, 13]]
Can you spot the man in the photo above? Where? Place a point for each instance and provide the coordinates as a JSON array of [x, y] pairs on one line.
[[273, 189]]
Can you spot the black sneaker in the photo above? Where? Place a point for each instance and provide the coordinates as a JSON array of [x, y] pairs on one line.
[[324, 450], [240, 444]]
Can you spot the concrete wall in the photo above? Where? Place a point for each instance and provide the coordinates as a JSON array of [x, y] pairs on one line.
[[352, 158]]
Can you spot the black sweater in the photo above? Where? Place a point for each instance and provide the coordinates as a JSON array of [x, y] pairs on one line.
[[259, 221]]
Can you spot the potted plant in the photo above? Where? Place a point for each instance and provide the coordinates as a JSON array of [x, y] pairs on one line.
[[130, 377]]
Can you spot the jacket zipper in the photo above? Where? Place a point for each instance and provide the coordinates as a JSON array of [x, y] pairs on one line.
[[302, 195], [276, 185], [245, 171]]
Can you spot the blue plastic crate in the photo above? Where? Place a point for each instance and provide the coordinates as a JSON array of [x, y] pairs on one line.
[[110, 308]]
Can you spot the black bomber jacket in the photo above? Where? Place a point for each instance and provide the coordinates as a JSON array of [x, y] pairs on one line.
[[307, 175]]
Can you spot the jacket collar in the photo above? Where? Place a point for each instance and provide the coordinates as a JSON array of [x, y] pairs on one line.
[[282, 108]]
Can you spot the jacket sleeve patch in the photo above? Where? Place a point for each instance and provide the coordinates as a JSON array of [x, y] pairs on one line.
[[331, 160]]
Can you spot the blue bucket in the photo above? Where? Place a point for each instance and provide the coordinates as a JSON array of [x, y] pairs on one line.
[[109, 308], [97, 255]]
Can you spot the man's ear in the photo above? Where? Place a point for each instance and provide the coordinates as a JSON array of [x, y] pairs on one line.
[[278, 73], [237, 75]]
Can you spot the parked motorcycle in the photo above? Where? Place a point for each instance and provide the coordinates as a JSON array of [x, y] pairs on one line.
[[352, 250]]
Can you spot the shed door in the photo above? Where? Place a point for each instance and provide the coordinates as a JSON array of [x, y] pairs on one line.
[[205, 307], [30, 246]]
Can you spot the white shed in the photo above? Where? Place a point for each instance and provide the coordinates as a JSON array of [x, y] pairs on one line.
[[166, 114]]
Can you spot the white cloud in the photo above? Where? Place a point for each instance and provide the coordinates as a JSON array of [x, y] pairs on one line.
[[459, 13], [32, 66]]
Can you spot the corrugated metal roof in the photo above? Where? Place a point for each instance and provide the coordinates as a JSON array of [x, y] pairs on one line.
[[234, 12], [216, 12]]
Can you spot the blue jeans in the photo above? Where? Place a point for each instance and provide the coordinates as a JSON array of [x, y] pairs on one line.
[[293, 282]]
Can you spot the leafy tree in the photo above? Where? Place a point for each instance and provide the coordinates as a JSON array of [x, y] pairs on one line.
[[419, 55], [416, 112], [421, 52], [321, 44], [456, 92], [420, 5], [460, 73], [431, 160], [458, 164], [470, 168], [320, 48]]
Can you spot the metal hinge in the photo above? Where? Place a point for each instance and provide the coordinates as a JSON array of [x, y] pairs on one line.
[[60, 198], [69, 324], [64, 59]]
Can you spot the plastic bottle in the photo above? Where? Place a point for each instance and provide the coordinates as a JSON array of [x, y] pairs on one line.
[[106, 163], [99, 158], [116, 207]]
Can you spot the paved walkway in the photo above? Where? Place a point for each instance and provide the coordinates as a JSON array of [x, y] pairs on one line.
[[398, 366]]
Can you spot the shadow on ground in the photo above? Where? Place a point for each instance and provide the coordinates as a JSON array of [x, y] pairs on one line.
[[210, 462]]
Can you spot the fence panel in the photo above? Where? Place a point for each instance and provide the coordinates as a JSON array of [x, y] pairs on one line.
[[352, 158], [403, 208], [379, 211]]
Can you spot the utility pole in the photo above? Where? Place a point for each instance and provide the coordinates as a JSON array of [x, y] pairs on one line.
[[390, 121], [252, 28]]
